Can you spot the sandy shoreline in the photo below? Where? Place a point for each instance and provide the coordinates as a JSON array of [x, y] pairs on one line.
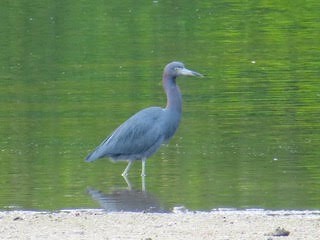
[[219, 224]]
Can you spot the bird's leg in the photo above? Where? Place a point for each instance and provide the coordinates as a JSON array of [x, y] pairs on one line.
[[143, 183], [143, 170], [127, 181], [125, 172]]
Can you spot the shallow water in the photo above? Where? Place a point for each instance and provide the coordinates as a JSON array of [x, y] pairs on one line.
[[250, 132]]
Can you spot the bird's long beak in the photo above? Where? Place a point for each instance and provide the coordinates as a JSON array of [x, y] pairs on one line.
[[187, 72]]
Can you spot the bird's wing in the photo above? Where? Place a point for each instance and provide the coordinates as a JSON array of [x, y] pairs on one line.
[[134, 137]]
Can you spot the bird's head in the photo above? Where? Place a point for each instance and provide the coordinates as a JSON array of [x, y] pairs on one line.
[[176, 69]]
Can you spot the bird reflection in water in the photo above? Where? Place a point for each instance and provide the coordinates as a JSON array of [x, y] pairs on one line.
[[127, 200]]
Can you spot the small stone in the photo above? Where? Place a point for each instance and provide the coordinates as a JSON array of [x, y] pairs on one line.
[[18, 218], [279, 232]]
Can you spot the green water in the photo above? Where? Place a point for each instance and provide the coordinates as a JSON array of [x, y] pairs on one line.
[[72, 71]]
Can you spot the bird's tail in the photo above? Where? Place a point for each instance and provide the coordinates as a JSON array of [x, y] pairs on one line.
[[91, 157], [99, 152]]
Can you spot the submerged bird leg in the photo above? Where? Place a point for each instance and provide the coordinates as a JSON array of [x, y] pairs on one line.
[[143, 170], [127, 182], [143, 183], [125, 172]]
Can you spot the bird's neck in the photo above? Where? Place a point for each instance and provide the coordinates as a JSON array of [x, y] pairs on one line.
[[174, 99]]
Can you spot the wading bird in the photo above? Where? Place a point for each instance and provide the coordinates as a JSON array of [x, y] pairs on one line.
[[142, 134]]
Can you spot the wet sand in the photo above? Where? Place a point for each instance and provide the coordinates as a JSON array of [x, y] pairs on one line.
[[218, 224]]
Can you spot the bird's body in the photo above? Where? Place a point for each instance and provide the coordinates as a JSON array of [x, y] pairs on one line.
[[142, 134], [136, 139]]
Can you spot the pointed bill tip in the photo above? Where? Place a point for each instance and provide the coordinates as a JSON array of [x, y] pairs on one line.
[[197, 74]]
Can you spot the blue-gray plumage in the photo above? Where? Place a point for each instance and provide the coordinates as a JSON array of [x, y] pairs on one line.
[[142, 134]]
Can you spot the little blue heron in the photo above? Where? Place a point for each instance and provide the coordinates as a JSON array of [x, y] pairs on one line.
[[142, 134]]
